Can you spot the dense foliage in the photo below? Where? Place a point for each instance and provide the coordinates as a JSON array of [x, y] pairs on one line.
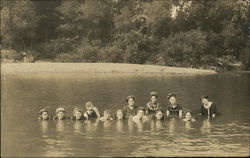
[[188, 33]]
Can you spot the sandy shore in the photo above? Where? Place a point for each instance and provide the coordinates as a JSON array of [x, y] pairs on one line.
[[97, 68]]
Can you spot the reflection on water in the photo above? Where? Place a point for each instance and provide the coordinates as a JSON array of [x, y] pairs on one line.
[[225, 135], [206, 126]]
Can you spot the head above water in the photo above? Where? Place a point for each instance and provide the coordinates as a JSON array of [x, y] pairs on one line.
[[119, 114], [44, 113], [60, 113], [204, 99], [140, 111], [172, 98], [131, 100], [159, 115], [106, 113], [188, 114], [77, 112], [89, 106], [153, 96]]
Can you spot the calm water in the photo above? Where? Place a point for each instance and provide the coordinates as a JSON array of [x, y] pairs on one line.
[[23, 95]]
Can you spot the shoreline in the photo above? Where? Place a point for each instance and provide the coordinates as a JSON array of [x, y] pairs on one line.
[[52, 67]]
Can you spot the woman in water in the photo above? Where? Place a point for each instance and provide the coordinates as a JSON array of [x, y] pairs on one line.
[[44, 114], [77, 114], [92, 112], [153, 105], [188, 116], [130, 109], [174, 108], [208, 108], [60, 114]]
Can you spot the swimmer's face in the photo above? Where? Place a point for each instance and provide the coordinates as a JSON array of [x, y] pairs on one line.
[[131, 102], [140, 113], [119, 115], [90, 108], [60, 115], [159, 115], [106, 115], [172, 100], [153, 99], [188, 115], [204, 101], [78, 115], [45, 115]]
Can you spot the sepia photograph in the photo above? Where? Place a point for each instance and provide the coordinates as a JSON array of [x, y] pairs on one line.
[[125, 78]]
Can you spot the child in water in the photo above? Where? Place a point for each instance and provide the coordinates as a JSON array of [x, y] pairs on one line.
[[140, 117], [174, 108], [77, 114], [44, 114], [106, 115], [60, 114], [92, 112], [188, 116], [159, 115], [153, 105], [119, 115]]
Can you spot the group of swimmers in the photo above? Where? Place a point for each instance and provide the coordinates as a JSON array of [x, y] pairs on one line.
[[138, 114]]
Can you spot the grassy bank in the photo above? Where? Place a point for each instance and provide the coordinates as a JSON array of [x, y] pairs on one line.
[[97, 68]]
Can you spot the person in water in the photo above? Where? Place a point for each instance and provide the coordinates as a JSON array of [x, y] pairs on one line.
[[188, 116], [153, 105], [140, 117], [44, 114], [174, 108], [60, 114], [92, 112], [208, 108], [106, 115], [159, 115], [77, 114], [131, 109], [119, 115]]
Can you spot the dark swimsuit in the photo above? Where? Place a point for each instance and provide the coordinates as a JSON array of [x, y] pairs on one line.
[[174, 110], [212, 109], [128, 112], [150, 110], [74, 118]]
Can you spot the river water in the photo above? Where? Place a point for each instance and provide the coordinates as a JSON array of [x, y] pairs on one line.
[[23, 94]]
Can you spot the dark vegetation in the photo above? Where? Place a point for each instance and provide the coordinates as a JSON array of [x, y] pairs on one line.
[[205, 34]]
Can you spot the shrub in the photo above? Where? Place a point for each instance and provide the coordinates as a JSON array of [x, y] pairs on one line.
[[88, 53], [111, 54], [10, 55]]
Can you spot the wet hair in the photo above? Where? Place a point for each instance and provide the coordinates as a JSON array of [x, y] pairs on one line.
[[171, 95], [203, 96], [89, 104], [119, 110], [129, 97], [153, 94], [159, 111], [59, 110], [43, 110], [76, 109], [188, 111]]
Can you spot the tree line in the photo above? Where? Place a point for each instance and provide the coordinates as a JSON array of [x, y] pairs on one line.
[[190, 33]]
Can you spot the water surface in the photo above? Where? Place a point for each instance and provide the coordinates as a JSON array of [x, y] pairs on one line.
[[23, 94]]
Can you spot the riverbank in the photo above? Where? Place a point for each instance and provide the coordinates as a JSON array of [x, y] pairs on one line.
[[97, 68]]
